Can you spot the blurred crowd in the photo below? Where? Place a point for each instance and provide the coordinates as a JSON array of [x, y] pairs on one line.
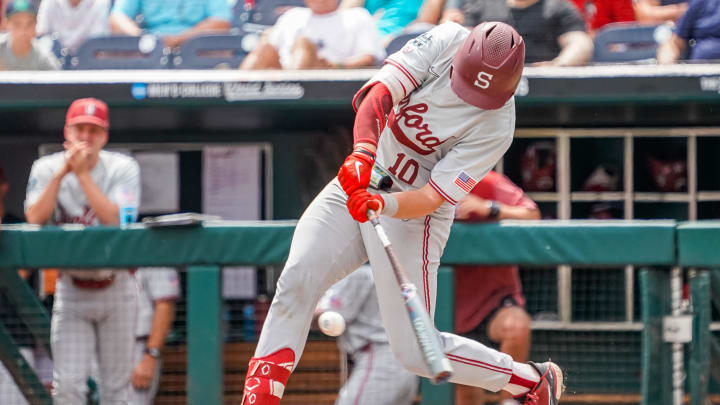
[[325, 34]]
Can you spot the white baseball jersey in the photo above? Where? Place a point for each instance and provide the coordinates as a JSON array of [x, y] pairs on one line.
[[153, 285], [117, 176], [432, 136], [88, 323]]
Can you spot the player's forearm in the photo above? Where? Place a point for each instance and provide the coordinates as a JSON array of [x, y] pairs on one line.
[[417, 203], [208, 25], [40, 212], [510, 212], [361, 61], [430, 11], [669, 52], [646, 13], [372, 115], [576, 49], [106, 210], [162, 320], [351, 3], [122, 24], [454, 15]]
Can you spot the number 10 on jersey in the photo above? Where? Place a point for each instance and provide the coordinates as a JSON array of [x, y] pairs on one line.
[[405, 169]]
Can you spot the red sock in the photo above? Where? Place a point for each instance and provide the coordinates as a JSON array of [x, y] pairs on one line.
[[266, 378], [522, 382]]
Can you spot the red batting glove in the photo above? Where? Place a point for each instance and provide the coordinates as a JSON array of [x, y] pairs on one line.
[[360, 201], [354, 174]]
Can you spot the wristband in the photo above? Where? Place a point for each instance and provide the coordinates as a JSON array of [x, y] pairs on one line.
[[391, 205], [494, 210], [365, 152], [153, 352]]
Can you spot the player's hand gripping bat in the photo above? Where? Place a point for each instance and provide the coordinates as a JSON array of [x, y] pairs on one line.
[[425, 333]]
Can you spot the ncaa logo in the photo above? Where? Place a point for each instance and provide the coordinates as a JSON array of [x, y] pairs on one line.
[[483, 80]]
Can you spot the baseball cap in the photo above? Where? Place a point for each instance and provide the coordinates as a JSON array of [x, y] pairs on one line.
[[88, 111], [21, 6]]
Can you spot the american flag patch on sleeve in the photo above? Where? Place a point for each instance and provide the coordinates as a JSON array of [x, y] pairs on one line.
[[465, 182]]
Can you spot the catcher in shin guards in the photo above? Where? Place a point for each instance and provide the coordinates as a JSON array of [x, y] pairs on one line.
[[437, 117]]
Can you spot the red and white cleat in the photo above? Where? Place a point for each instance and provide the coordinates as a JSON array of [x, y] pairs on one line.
[[550, 387]]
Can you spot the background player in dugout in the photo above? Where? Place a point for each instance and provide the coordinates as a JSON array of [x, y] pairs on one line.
[[448, 104], [94, 312], [489, 299], [158, 289], [376, 377]]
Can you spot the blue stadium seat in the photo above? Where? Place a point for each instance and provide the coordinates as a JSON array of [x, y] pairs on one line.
[[52, 43], [399, 41], [211, 51], [241, 13], [627, 42], [121, 52], [267, 12]]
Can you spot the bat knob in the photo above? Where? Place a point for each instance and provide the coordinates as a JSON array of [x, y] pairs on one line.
[[385, 183]]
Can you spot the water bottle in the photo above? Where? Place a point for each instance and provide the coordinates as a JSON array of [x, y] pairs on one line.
[[248, 311], [127, 206], [128, 214]]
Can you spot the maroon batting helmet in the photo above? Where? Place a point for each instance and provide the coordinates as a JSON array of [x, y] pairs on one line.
[[486, 69]]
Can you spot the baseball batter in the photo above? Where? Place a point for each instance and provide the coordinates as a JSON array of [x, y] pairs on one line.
[[376, 378], [158, 289], [94, 311], [447, 100]]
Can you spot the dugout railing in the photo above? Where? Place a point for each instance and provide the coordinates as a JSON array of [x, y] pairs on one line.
[[204, 250]]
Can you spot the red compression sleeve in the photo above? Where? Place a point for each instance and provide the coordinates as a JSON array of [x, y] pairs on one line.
[[372, 114]]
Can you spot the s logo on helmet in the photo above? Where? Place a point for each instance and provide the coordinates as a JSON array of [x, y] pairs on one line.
[[483, 80]]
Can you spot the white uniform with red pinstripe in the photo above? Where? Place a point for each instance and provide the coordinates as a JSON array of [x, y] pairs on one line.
[[431, 137], [90, 322], [154, 284], [376, 377]]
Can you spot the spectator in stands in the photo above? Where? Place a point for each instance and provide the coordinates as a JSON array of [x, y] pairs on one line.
[[598, 13], [377, 377], [489, 299], [700, 24], [18, 49], [318, 37], [175, 21], [553, 30], [74, 21], [659, 11], [158, 289], [394, 16]]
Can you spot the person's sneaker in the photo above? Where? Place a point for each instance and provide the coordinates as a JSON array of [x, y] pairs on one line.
[[550, 387]]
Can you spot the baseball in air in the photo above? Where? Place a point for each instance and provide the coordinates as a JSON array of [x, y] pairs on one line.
[[331, 323]]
